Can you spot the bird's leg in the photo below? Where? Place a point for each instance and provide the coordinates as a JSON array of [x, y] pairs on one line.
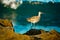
[[31, 25], [34, 25]]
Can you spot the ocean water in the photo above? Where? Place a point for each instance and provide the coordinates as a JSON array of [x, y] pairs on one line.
[[23, 29]]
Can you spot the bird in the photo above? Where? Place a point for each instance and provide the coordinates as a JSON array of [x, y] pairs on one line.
[[34, 19]]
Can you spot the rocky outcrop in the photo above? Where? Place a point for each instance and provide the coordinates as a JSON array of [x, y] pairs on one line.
[[7, 33], [33, 32], [6, 29], [45, 35], [52, 35], [5, 23]]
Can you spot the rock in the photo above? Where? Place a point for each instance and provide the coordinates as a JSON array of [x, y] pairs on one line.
[[7, 33], [6, 28], [52, 35], [42, 31], [33, 32], [5, 23]]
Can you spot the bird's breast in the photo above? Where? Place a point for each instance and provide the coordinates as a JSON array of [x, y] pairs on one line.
[[33, 19]]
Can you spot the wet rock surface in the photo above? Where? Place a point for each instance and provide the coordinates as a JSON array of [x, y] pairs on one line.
[[33, 32]]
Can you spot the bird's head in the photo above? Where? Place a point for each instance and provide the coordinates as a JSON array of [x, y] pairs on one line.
[[39, 13]]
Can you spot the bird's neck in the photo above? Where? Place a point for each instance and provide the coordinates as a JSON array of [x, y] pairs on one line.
[[39, 14]]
